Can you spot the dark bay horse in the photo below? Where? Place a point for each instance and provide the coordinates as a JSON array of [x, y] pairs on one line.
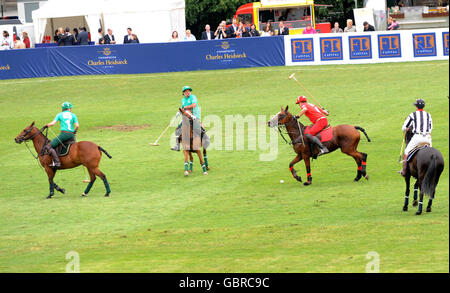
[[426, 166], [84, 153], [345, 137], [192, 146]]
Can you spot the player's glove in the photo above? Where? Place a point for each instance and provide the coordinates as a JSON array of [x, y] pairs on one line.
[[178, 114]]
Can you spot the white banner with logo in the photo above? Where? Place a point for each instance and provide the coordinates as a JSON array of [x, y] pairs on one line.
[[367, 47]]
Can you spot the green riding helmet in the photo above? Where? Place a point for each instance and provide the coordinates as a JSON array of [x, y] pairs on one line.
[[185, 88], [66, 105]]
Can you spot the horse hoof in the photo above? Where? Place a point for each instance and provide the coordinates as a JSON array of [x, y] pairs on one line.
[[357, 179], [307, 183], [62, 190], [50, 196], [205, 173], [405, 209], [83, 194], [418, 213], [107, 195], [207, 168], [428, 210], [186, 173], [415, 203], [367, 177]]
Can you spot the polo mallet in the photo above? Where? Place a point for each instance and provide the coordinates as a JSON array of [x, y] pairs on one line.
[[292, 76], [156, 142], [85, 176], [400, 158]]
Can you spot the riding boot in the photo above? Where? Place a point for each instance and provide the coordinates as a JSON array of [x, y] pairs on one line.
[[56, 162], [405, 164], [315, 140], [177, 146]]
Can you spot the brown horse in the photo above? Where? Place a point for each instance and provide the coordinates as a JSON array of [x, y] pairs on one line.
[[192, 147], [84, 153], [345, 137]]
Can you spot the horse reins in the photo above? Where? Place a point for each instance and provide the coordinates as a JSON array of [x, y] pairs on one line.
[[40, 131], [284, 125]]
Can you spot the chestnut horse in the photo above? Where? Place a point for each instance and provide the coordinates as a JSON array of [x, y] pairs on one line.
[[188, 152], [426, 165], [81, 153], [345, 137]]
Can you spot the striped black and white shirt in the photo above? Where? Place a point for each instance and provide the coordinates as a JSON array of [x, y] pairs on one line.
[[419, 122]]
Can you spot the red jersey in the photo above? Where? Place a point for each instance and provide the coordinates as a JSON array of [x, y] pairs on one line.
[[312, 112]]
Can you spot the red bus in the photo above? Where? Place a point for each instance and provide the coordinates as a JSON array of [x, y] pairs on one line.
[[296, 14]]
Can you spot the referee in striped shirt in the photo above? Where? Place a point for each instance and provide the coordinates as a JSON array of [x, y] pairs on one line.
[[421, 124]]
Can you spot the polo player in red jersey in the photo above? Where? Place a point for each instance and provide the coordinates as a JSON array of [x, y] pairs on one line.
[[318, 118]]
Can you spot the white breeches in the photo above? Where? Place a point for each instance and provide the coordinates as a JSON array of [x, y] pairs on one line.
[[416, 140]]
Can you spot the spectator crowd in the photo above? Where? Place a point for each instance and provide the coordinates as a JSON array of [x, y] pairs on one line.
[[245, 29], [80, 36]]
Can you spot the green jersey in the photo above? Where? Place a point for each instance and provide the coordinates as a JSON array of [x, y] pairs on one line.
[[67, 120], [192, 99]]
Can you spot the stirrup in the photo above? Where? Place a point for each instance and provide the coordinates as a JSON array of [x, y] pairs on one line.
[[323, 151], [55, 165]]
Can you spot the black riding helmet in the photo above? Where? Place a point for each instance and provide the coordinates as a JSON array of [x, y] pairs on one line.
[[419, 103]]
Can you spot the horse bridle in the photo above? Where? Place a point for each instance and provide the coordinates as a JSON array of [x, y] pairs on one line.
[[284, 125], [24, 139]]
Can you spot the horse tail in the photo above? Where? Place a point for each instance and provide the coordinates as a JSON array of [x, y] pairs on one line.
[[429, 180], [363, 131], [103, 150]]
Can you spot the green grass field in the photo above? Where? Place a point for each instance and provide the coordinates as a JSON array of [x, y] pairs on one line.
[[239, 218]]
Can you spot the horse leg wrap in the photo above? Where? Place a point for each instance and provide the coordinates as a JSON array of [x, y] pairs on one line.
[[416, 192], [405, 206], [430, 202], [108, 190], [62, 190], [309, 177], [363, 164], [206, 160], [52, 188], [186, 166], [420, 208], [191, 165], [204, 168], [88, 188]]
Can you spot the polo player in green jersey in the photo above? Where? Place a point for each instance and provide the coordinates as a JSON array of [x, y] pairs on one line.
[[69, 126], [188, 102]]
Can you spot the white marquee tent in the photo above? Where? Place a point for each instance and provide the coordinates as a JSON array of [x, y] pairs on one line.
[[151, 20]]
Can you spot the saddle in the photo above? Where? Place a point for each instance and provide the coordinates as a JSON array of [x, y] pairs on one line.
[[62, 149], [416, 149], [325, 134], [199, 137]]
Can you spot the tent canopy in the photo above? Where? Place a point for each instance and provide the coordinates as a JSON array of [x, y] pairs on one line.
[[151, 20]]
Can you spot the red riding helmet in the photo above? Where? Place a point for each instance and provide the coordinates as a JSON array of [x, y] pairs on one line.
[[301, 99]]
